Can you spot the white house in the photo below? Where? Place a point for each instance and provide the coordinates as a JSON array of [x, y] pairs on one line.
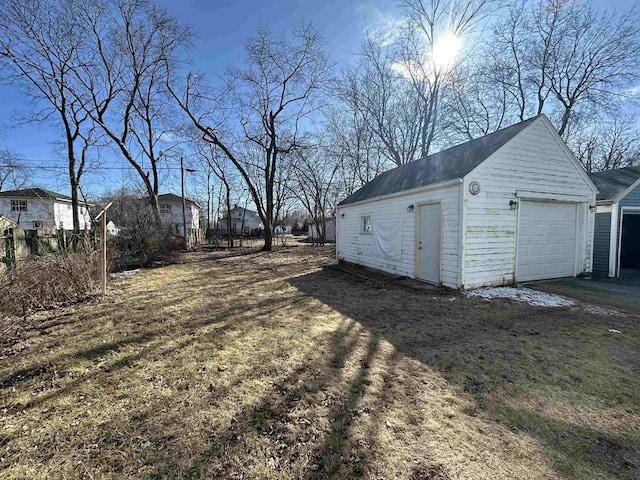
[[243, 221], [171, 213], [112, 229], [37, 209], [616, 249], [509, 207], [282, 230]]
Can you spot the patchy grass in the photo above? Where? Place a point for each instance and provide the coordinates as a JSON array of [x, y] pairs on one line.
[[623, 295], [269, 365]]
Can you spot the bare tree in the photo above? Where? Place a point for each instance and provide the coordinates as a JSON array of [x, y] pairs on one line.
[[39, 45], [315, 183], [13, 173], [397, 87], [224, 171], [595, 57], [130, 46], [351, 142], [607, 144], [476, 106], [431, 48], [258, 117], [563, 57], [378, 97]]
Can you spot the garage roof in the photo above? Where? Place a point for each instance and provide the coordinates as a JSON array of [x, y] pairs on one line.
[[613, 183], [449, 164]]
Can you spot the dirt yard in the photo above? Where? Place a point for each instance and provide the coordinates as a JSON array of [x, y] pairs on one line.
[[277, 365]]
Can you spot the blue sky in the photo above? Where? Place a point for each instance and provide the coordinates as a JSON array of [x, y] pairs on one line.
[[220, 26]]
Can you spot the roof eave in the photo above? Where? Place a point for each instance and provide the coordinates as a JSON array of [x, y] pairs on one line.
[[433, 186], [626, 191]]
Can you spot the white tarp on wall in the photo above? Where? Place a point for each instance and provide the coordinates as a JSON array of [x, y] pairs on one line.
[[387, 239]]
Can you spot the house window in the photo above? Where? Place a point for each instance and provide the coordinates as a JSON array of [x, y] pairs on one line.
[[246, 230], [18, 205], [165, 208], [37, 224], [366, 224]]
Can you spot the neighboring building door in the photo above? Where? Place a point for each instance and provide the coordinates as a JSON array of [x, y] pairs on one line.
[[429, 243], [630, 240], [546, 241]]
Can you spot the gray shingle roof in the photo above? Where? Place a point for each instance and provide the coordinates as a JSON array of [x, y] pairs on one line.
[[170, 197], [449, 164], [34, 193], [613, 183]]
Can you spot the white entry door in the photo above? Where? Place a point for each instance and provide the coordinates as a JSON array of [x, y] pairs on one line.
[[546, 241], [429, 242]]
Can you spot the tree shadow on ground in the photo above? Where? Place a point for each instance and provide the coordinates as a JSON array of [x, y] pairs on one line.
[[295, 446], [497, 349]]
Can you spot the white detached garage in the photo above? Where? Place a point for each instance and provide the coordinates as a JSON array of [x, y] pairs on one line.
[[509, 207]]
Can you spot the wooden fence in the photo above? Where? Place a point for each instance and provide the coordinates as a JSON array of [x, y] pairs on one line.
[[16, 243]]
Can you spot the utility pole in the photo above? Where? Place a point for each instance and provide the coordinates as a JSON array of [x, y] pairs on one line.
[[209, 194], [185, 242]]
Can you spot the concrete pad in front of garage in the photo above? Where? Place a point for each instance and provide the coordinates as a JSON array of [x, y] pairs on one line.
[[623, 294]]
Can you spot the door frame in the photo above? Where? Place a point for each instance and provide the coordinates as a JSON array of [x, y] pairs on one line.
[[621, 212], [578, 226], [417, 247]]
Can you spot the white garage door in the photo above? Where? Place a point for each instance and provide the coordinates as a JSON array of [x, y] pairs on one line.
[[546, 240]]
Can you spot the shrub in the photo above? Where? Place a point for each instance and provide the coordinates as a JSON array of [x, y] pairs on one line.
[[140, 241], [134, 247], [43, 282]]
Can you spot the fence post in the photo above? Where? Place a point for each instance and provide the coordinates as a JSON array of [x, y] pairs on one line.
[[103, 244]]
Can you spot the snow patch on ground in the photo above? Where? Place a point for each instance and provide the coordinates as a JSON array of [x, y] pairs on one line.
[[532, 297], [125, 273]]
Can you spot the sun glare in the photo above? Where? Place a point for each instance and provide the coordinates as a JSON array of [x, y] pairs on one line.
[[445, 51]]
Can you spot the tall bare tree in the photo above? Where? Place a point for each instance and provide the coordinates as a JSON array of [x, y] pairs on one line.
[[264, 108], [436, 37], [475, 105], [565, 58], [130, 47], [375, 94], [39, 45]]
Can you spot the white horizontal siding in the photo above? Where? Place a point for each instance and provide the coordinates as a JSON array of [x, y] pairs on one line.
[[51, 214], [64, 216], [533, 164], [356, 247]]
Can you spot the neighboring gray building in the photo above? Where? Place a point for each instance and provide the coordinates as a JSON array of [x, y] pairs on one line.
[[617, 224]]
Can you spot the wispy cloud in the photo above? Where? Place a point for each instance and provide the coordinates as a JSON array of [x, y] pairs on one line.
[[384, 27]]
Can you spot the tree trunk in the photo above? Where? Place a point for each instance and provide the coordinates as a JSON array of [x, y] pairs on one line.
[[155, 206], [268, 239], [75, 238], [229, 222]]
